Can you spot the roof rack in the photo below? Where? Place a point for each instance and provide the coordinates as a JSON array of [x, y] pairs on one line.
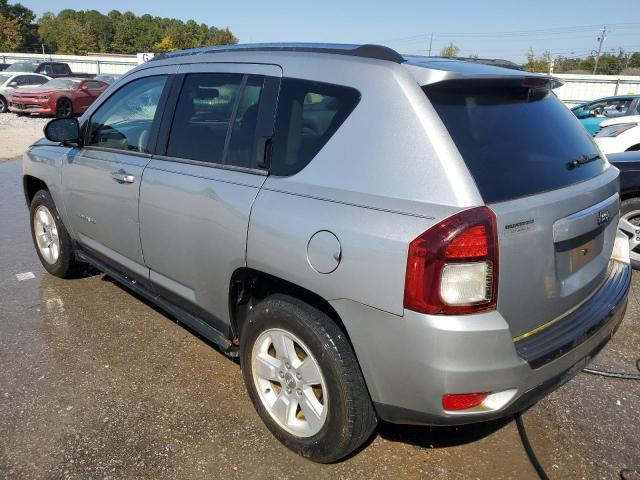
[[377, 52]]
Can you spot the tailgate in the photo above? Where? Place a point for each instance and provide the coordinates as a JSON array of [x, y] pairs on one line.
[[554, 250]]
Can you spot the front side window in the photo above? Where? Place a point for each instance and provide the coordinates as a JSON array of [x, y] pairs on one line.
[[124, 121], [309, 113], [201, 120], [36, 80]]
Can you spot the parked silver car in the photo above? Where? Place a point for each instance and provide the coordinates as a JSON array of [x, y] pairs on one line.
[[416, 239]]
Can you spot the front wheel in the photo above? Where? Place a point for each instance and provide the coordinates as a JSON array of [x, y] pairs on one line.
[[50, 237], [630, 225], [304, 380], [3, 104], [64, 108]]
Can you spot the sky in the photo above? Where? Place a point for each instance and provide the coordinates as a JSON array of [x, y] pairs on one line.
[[497, 29]]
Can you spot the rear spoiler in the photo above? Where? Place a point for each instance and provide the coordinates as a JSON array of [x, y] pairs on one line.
[[430, 70]]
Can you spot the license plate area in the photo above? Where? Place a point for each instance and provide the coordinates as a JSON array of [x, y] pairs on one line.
[[576, 253]]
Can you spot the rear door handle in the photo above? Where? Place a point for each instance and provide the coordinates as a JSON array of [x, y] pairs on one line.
[[123, 177]]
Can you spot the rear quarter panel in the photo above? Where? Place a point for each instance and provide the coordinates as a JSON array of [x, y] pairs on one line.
[[374, 246]]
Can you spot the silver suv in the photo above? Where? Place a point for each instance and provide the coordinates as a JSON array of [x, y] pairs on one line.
[[416, 239]]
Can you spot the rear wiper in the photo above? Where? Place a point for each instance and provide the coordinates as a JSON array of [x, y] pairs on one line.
[[582, 160]]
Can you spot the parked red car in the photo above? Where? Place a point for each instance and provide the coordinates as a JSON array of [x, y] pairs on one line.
[[62, 97]]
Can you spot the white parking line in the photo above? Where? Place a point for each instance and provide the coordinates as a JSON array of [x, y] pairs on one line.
[[25, 276]]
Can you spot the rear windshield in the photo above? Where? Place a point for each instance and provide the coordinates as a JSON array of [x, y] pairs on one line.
[[515, 141], [22, 67]]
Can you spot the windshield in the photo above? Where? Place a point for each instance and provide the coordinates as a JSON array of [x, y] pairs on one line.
[[61, 84], [21, 67], [4, 78], [516, 141]]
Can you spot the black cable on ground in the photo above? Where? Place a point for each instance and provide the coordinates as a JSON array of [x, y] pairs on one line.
[[624, 474], [622, 375], [527, 448]]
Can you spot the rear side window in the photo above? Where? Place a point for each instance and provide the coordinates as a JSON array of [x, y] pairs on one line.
[[309, 113], [201, 121], [515, 141]]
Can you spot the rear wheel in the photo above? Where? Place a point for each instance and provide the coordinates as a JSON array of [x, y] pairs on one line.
[[304, 380], [64, 108], [3, 104], [50, 237], [630, 226]]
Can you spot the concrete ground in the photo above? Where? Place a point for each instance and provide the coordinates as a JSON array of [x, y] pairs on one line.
[[18, 132], [95, 383]]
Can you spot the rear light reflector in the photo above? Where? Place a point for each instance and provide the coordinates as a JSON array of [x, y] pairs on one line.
[[463, 401], [452, 268]]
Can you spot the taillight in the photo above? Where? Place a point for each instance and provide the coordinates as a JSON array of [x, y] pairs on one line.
[[452, 268]]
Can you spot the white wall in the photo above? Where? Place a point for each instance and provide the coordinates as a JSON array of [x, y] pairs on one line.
[[580, 88], [78, 63]]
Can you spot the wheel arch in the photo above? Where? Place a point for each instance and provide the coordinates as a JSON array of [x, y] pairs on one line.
[[248, 286], [31, 185]]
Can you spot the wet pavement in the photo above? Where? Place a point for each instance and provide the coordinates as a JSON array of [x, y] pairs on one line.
[[96, 383]]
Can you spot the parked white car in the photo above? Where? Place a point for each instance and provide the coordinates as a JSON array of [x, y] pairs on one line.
[[10, 81], [619, 134]]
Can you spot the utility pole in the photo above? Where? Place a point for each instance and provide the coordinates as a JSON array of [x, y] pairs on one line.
[[601, 39], [430, 43], [43, 54], [552, 61]]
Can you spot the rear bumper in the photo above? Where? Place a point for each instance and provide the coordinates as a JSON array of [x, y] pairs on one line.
[[410, 362]]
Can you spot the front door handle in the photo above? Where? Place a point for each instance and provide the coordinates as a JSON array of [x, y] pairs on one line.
[[123, 177]]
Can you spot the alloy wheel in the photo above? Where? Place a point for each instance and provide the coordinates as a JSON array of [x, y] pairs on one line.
[[46, 234], [289, 382], [630, 225]]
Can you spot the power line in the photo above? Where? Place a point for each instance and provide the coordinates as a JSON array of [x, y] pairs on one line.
[[517, 33]]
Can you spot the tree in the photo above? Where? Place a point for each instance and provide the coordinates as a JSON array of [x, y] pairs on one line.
[[10, 36], [165, 45], [450, 50], [538, 64], [79, 31], [74, 38], [24, 17], [224, 37]]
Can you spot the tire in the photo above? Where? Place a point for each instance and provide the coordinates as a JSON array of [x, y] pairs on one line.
[[64, 108], [3, 105], [347, 419], [59, 261], [630, 226]]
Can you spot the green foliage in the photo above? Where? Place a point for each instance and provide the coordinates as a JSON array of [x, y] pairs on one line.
[[538, 64], [610, 63], [82, 31], [10, 36], [450, 50]]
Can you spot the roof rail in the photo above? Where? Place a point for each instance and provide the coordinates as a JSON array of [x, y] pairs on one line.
[[378, 52]]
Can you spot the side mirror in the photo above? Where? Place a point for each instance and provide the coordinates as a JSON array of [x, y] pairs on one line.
[[63, 130], [12, 84]]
